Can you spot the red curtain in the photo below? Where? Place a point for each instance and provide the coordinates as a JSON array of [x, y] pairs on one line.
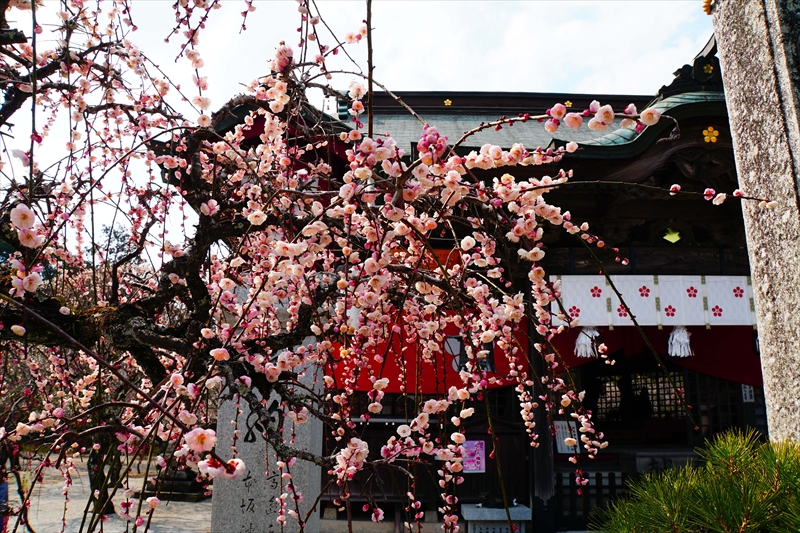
[[726, 352], [406, 370]]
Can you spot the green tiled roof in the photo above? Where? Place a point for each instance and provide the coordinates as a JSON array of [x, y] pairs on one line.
[[665, 106], [405, 129]]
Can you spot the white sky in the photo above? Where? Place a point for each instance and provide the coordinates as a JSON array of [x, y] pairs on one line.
[[595, 47], [599, 47]]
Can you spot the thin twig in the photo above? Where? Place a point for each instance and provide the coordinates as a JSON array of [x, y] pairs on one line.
[[370, 68]]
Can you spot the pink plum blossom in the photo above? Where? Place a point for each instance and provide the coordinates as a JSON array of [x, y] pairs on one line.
[[596, 124], [201, 440], [573, 120], [32, 281], [23, 217], [220, 354], [29, 238], [558, 111], [209, 208], [605, 114]]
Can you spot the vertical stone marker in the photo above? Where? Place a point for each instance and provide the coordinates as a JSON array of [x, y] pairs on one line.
[[759, 51], [247, 504]]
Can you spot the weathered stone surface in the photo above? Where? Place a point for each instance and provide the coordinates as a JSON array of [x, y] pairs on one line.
[[759, 52], [247, 504]]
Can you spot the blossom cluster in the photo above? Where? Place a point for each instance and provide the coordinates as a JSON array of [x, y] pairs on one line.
[[350, 459], [602, 117]]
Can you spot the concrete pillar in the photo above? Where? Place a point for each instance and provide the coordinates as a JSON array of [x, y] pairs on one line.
[[759, 52]]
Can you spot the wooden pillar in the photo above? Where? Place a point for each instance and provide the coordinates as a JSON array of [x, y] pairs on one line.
[[543, 495], [759, 52]]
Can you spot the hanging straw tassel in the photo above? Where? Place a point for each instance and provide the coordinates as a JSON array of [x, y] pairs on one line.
[[586, 345], [679, 345]]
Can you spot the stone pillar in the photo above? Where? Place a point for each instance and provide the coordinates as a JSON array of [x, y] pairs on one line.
[[759, 52], [247, 504]]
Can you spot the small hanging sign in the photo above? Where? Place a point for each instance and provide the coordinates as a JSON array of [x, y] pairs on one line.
[[474, 457], [566, 430], [748, 394]]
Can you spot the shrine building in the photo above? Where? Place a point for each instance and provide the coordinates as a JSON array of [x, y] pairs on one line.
[[684, 277]]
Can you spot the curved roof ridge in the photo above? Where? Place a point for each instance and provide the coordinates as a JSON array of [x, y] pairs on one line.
[[627, 136]]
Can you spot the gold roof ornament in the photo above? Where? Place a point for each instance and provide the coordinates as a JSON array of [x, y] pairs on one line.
[[448, 102], [710, 135], [672, 235]]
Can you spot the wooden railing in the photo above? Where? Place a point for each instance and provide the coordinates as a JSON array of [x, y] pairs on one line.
[[574, 510]]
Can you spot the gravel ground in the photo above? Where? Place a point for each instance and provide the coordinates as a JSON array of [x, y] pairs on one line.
[[47, 510], [48, 501]]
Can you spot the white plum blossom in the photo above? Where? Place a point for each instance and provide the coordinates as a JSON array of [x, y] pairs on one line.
[[257, 217], [650, 116], [467, 243]]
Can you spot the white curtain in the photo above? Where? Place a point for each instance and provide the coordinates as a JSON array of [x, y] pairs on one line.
[[659, 300]]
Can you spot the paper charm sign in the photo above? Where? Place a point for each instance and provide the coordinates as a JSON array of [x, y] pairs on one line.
[[565, 429], [748, 394], [474, 457]]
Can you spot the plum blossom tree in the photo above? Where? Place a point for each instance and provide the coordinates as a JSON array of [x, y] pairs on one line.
[[306, 228]]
